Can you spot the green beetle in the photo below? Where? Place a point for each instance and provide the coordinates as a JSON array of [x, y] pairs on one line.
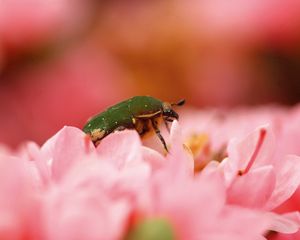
[[141, 113]]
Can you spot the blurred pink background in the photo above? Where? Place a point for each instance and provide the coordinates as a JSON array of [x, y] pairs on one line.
[[62, 61]]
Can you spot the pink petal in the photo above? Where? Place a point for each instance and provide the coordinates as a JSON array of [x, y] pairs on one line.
[[180, 157], [18, 198], [252, 189], [153, 158], [185, 212], [211, 169], [125, 182], [121, 148], [84, 213], [247, 223], [287, 180], [229, 170], [230, 236], [132, 180], [92, 172], [34, 156], [285, 223], [240, 151], [66, 148]]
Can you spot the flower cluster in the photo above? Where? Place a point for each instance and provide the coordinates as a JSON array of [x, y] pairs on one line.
[[121, 189]]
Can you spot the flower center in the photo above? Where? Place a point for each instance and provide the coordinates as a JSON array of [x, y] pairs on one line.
[[261, 139], [200, 146]]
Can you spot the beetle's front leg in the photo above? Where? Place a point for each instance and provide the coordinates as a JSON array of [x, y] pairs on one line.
[[157, 131], [141, 126], [166, 124]]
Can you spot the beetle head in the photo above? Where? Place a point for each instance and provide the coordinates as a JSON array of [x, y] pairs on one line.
[[168, 112]]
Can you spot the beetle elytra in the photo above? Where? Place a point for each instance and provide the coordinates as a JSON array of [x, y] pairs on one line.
[[141, 113]]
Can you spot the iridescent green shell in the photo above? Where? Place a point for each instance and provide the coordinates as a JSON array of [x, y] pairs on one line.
[[122, 116]]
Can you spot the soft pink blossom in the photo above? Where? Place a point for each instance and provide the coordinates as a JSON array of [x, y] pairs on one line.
[[19, 201], [35, 22], [79, 191], [247, 22], [87, 192], [255, 146], [194, 206]]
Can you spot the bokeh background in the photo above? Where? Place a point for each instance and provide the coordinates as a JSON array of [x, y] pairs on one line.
[[62, 61]]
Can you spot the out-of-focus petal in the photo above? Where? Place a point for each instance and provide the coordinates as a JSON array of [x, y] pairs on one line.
[[253, 222], [67, 147], [31, 152], [253, 189], [18, 199], [153, 158], [180, 157], [84, 212], [287, 181], [285, 223], [231, 236], [240, 151], [121, 148]]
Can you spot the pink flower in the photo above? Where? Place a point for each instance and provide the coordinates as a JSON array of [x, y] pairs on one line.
[[254, 154], [256, 180], [195, 208], [32, 22], [19, 200], [88, 189], [122, 188], [264, 154], [80, 187]]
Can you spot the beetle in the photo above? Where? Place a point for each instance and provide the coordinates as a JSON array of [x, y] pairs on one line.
[[142, 113]]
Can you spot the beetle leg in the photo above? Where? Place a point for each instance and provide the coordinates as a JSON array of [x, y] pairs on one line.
[[145, 128], [169, 119], [167, 125], [157, 131], [140, 126]]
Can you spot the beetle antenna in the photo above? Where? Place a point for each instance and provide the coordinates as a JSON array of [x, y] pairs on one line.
[[179, 103]]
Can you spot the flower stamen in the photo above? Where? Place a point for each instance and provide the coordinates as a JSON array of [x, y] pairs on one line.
[[261, 139]]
